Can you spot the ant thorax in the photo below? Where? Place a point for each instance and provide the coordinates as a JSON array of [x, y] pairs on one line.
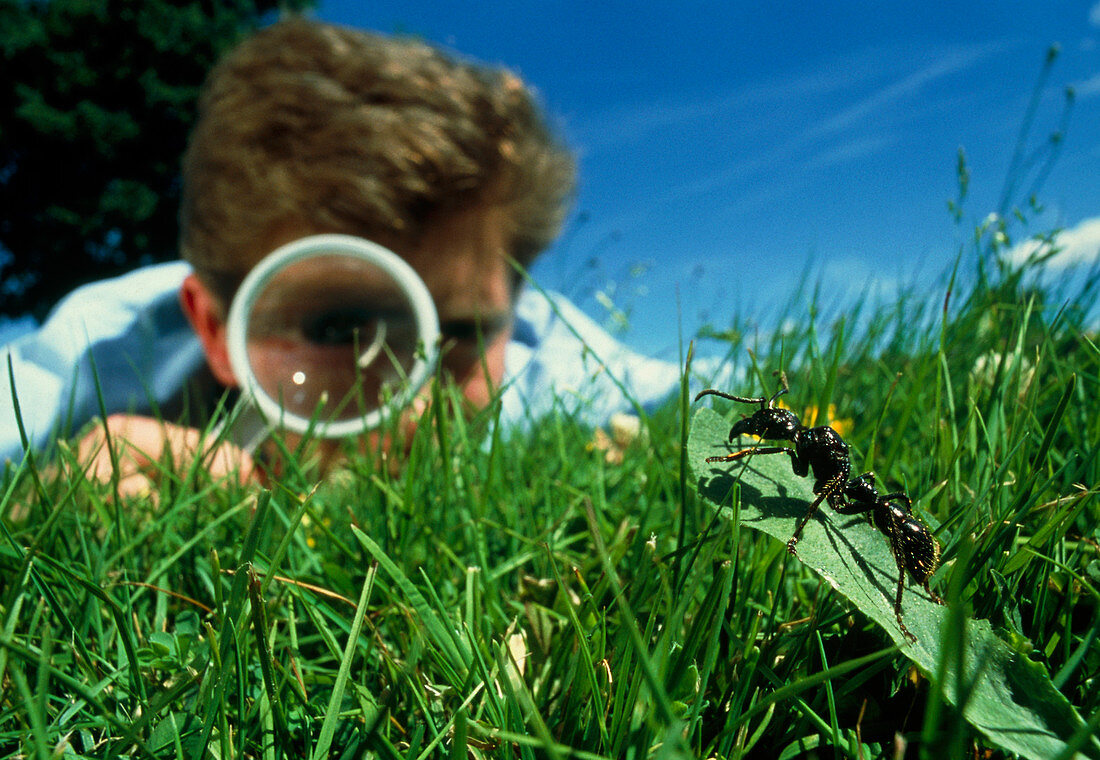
[[825, 451]]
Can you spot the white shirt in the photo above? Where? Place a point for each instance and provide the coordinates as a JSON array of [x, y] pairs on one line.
[[131, 333]]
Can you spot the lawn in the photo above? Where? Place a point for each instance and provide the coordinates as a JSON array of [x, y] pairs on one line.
[[549, 593]]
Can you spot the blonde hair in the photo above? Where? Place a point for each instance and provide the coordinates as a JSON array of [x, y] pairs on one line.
[[347, 131]]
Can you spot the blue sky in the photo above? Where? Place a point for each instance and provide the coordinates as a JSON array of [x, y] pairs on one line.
[[725, 147]]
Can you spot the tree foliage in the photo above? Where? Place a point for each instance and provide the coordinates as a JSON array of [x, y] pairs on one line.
[[96, 102]]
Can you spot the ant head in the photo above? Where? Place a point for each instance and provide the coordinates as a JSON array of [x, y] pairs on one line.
[[768, 422]]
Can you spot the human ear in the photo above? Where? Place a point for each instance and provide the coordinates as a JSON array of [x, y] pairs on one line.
[[206, 315]]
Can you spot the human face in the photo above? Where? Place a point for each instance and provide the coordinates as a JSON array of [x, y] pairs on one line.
[[462, 259], [461, 256]]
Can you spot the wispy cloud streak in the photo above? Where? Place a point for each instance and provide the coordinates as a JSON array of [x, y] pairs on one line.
[[952, 62]]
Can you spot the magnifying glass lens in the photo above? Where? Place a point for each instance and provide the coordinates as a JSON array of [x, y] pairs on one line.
[[331, 337]]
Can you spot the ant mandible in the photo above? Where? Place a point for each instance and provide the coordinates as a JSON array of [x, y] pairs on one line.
[[822, 450]]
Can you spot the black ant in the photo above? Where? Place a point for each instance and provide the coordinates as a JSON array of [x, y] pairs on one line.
[[822, 450], [818, 448]]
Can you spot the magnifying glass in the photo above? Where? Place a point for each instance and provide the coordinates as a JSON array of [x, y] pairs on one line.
[[328, 335]]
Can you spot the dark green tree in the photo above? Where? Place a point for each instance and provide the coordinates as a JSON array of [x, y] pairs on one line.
[[96, 101]]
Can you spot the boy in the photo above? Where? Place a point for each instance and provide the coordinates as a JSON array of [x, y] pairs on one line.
[[308, 128]]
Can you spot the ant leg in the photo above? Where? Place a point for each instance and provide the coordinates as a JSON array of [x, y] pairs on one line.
[[897, 549], [935, 597], [747, 452], [805, 519], [857, 507], [897, 606], [854, 507], [828, 491]]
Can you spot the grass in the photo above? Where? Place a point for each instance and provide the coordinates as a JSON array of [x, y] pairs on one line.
[[525, 594], [535, 594]]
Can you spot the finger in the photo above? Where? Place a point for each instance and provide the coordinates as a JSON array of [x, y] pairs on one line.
[[219, 459]]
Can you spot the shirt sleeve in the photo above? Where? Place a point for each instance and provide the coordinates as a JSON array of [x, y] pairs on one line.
[[128, 331], [560, 359]]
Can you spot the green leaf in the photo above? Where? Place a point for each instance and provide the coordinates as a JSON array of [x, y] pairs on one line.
[[1009, 698]]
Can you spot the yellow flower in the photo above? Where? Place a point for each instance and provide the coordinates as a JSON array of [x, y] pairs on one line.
[[843, 426], [313, 533]]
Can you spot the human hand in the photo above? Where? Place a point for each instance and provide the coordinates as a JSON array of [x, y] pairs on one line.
[[144, 446]]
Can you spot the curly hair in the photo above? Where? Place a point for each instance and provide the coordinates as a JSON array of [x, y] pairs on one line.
[[347, 131]]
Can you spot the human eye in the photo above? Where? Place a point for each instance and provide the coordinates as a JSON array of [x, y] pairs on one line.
[[340, 326], [472, 331]]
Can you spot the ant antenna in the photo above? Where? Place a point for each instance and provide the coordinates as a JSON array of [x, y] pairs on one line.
[[720, 394], [765, 402], [778, 393], [783, 387]]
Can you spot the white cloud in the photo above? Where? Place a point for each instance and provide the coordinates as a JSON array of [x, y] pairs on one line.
[[1088, 88], [1076, 245], [1094, 15]]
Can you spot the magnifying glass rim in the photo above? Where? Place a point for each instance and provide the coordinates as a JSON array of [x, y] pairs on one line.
[[427, 325]]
